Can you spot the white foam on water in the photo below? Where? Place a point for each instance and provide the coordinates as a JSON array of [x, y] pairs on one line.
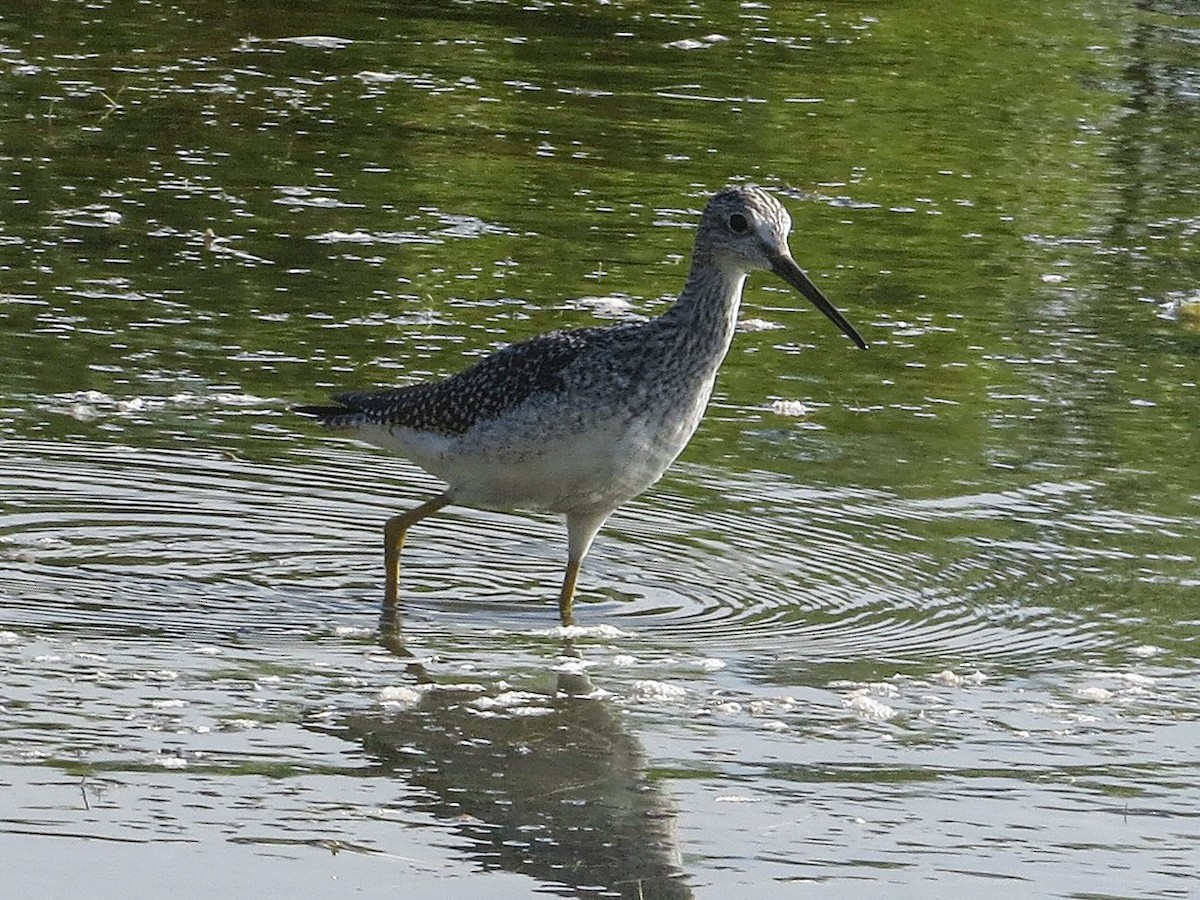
[[869, 708], [658, 691], [399, 696], [953, 679], [608, 632], [789, 408], [510, 700]]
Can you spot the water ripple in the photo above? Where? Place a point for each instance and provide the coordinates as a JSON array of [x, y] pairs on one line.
[[118, 537]]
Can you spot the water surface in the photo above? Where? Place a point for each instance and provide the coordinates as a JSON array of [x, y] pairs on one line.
[[918, 621]]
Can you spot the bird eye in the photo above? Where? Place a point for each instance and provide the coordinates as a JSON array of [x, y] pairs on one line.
[[738, 224]]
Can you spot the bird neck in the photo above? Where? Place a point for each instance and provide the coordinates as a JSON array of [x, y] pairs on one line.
[[706, 312]]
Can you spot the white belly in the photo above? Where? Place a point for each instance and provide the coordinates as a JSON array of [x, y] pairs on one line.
[[560, 457]]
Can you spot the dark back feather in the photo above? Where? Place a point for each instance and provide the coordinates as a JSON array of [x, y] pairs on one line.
[[485, 390]]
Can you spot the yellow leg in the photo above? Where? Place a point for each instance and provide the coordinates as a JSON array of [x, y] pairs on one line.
[[567, 596], [393, 542], [581, 531]]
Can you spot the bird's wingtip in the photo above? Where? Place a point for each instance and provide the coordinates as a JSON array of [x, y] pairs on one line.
[[324, 413]]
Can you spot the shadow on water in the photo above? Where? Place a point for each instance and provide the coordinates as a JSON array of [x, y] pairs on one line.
[[549, 786]]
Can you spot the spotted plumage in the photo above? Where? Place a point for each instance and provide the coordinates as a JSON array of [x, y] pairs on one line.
[[453, 405], [580, 421]]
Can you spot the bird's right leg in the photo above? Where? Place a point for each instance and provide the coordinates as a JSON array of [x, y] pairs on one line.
[[393, 542], [581, 531], [566, 597]]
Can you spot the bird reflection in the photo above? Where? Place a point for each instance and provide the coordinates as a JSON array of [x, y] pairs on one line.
[[571, 681], [556, 790]]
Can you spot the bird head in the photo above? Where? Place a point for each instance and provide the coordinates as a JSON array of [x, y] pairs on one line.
[[746, 230]]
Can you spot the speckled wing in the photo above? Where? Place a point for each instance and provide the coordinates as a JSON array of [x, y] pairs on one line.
[[453, 405]]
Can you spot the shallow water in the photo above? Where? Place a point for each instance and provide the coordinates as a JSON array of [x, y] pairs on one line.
[[915, 621]]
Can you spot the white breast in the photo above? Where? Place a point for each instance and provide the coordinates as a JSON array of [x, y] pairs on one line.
[[561, 458]]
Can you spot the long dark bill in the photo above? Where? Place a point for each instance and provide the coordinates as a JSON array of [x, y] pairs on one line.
[[785, 267]]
